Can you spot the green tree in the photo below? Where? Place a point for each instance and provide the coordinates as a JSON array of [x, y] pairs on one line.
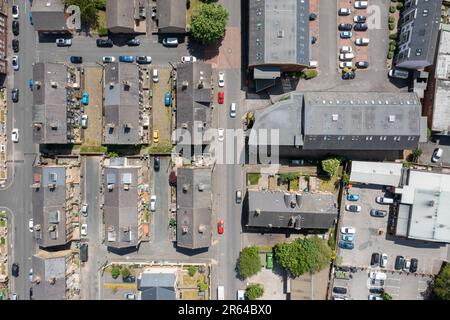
[[416, 154], [202, 287], [115, 272], [248, 262], [208, 23], [309, 73], [125, 272], [88, 11], [387, 296], [303, 255], [172, 223], [441, 287], [192, 270], [331, 166], [254, 291], [288, 177], [345, 178]]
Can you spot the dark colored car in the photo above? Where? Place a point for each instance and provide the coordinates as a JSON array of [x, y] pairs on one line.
[[156, 163], [375, 260], [345, 27], [15, 27], [376, 290], [84, 252], [414, 263], [360, 27], [129, 279], [359, 19], [133, 42], [348, 75], [399, 262], [15, 270], [31, 293], [15, 95], [313, 40], [76, 59], [312, 16], [105, 43], [378, 213], [340, 290], [15, 45], [362, 64]]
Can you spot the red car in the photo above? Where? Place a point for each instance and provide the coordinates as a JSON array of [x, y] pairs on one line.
[[220, 226], [221, 97]]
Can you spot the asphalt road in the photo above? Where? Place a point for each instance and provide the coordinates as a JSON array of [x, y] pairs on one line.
[[160, 217]]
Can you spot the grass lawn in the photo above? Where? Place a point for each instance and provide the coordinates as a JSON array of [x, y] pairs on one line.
[[2, 223], [293, 185], [192, 281], [95, 149], [328, 185], [194, 4], [2, 241], [101, 22], [331, 238], [191, 295], [253, 178]]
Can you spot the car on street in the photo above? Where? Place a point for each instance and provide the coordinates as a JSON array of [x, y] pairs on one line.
[[63, 42], [84, 121], [362, 64], [76, 59], [31, 293], [30, 17], [129, 296], [376, 290], [155, 135], [143, 59], [359, 19], [15, 63], [361, 4], [269, 260], [170, 42], [15, 45], [375, 259], [30, 275], [360, 27], [374, 297], [156, 163], [378, 213], [221, 134], [107, 59], [84, 209], [345, 27], [153, 203], [15, 269], [155, 75], [15, 95], [15, 135], [15, 11], [353, 208], [221, 79], [241, 294], [220, 227], [362, 41], [347, 237], [414, 264], [220, 97], [344, 11], [84, 252], [345, 64], [340, 290], [346, 245], [346, 49], [352, 197], [15, 27], [345, 34], [85, 98], [105, 43], [233, 110], [384, 260], [238, 196], [399, 262], [30, 84], [129, 279], [167, 99], [188, 59], [126, 58], [348, 230], [437, 154], [384, 200], [84, 231], [407, 265], [133, 42], [14, 296]]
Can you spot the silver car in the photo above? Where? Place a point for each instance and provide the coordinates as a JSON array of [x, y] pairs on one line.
[[15, 63]]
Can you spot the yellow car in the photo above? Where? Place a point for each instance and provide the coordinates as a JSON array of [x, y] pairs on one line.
[[155, 136]]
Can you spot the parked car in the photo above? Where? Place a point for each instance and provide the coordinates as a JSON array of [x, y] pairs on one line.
[[15, 269], [374, 297], [375, 260], [352, 197], [167, 99], [312, 16], [384, 260], [188, 59], [15, 27], [30, 17], [153, 203], [414, 264], [344, 11], [346, 34], [348, 230], [30, 84], [126, 58], [346, 56], [345, 27], [15, 95], [63, 42], [269, 260], [378, 275], [348, 75], [360, 27], [346, 49], [313, 39], [14, 296], [170, 42], [220, 97], [376, 290], [345, 64], [15, 45], [340, 290], [76, 59], [15, 63], [362, 64], [241, 294], [84, 209], [362, 41], [84, 252], [15, 135], [384, 200], [143, 59], [221, 134], [437, 154], [347, 237], [155, 75], [353, 208], [30, 276], [129, 296], [84, 230], [399, 262], [84, 121], [233, 110], [85, 98], [221, 79], [107, 59], [155, 136], [407, 265], [346, 245], [133, 42], [361, 4], [220, 227], [105, 43], [156, 163], [378, 213], [359, 19], [15, 11], [129, 279], [399, 73], [238, 196]]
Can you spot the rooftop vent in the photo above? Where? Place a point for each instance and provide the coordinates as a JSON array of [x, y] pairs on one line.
[[202, 228], [184, 125], [111, 186], [185, 229], [54, 84], [280, 34], [186, 188], [201, 187], [257, 212], [335, 117], [392, 118]]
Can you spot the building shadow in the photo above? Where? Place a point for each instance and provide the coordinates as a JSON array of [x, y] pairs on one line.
[[189, 252], [123, 251]]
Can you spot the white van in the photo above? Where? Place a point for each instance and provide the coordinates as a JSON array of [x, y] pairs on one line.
[[346, 56], [170, 42], [220, 293], [155, 76], [233, 110], [378, 276], [384, 200]]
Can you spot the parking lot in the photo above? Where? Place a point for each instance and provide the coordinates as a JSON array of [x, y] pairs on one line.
[[369, 240]]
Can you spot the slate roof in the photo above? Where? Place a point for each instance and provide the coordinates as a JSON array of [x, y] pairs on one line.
[[172, 16], [51, 272], [49, 15], [157, 286], [121, 15]]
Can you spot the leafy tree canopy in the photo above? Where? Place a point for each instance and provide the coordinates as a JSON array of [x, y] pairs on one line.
[[248, 262], [208, 23]]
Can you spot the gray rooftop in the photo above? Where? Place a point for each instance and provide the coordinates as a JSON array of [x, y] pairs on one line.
[[194, 97], [279, 32], [194, 207], [51, 272], [378, 173], [278, 209], [48, 15], [157, 286], [49, 206], [121, 14], [121, 104], [50, 103], [172, 15], [120, 206]]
